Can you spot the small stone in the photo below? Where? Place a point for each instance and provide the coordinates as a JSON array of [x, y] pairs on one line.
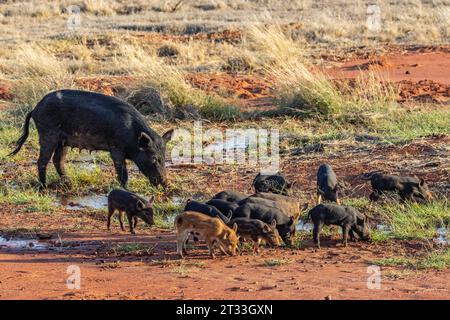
[[328, 298]]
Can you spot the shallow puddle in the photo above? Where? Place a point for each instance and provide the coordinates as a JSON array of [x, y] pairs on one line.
[[94, 201], [304, 226], [383, 228], [442, 236], [22, 244]]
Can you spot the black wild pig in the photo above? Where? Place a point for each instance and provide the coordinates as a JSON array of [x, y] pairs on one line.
[[230, 196], [211, 211], [223, 206], [256, 231], [93, 121], [275, 183], [133, 205], [350, 219], [327, 185], [285, 224], [288, 205], [407, 187]]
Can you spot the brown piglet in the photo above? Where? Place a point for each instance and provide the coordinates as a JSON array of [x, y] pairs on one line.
[[213, 230]]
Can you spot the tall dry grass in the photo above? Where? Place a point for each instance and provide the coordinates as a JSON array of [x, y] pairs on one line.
[[301, 89], [151, 71], [36, 72]]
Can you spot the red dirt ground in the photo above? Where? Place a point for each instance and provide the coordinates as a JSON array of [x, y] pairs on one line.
[[333, 271], [423, 76]]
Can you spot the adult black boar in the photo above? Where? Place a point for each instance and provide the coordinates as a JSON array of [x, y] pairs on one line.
[[93, 121]]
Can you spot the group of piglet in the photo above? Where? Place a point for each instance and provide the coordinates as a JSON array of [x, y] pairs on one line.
[[270, 215]]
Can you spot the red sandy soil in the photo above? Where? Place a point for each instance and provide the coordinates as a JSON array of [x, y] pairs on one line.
[[421, 75], [333, 271]]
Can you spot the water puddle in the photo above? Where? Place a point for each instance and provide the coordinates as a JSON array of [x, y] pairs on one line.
[[383, 228], [304, 226], [442, 236], [228, 146], [170, 218], [235, 142], [95, 201], [177, 200], [22, 244]]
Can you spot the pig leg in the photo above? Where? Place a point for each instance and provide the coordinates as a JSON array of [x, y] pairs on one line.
[[316, 233], [181, 240], [121, 221], [110, 213], [121, 169], [45, 154], [135, 221], [375, 195], [222, 249], [130, 223], [345, 231], [319, 198], [256, 245], [352, 235], [58, 160], [210, 245]]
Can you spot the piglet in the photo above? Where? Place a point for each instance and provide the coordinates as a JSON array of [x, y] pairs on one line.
[[350, 219], [133, 205]]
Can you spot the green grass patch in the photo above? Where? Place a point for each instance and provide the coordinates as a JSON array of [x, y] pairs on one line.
[[414, 220], [165, 213], [28, 200], [136, 249], [405, 125], [439, 260]]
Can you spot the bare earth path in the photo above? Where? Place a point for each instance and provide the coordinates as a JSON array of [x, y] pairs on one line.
[[306, 274]]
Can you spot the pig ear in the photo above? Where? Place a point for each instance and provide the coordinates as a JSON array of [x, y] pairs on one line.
[[168, 136], [139, 205], [422, 182], [144, 140], [235, 227], [273, 224]]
